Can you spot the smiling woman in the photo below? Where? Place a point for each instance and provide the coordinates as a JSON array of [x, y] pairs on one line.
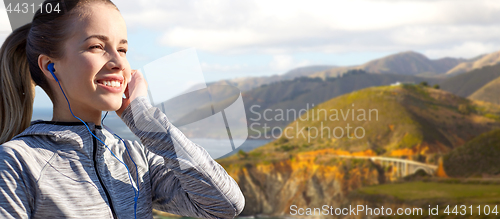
[[71, 166], [94, 68]]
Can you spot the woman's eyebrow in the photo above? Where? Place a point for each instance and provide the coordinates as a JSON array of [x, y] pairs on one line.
[[104, 38]]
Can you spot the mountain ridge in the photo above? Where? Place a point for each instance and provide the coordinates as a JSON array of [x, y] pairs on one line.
[[407, 63], [467, 83], [488, 92], [475, 63]]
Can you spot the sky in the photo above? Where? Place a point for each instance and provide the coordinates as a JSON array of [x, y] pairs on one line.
[[255, 37]]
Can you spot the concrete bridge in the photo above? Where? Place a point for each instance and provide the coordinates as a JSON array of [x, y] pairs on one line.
[[400, 167]]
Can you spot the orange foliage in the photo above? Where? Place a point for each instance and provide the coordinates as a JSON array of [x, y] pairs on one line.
[[391, 127], [440, 171], [332, 151], [404, 152], [368, 153]]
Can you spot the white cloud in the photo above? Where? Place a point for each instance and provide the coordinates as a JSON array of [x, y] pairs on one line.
[[280, 26], [212, 40], [3, 37], [5, 28], [206, 67], [4, 21], [337, 26], [432, 35], [281, 62], [286, 62], [465, 50]]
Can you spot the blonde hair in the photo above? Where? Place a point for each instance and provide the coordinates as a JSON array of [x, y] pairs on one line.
[[19, 70], [17, 87]]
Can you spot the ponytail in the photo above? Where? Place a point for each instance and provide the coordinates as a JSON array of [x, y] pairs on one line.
[[17, 90]]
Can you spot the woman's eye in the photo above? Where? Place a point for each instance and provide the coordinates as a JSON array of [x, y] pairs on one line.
[[123, 50], [95, 47]]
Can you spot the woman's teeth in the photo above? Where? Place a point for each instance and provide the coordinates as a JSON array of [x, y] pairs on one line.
[[111, 83]]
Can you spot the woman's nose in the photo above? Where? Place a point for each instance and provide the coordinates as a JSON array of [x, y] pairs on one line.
[[117, 61]]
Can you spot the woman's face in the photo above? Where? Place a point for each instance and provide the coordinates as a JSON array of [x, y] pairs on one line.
[[94, 70]]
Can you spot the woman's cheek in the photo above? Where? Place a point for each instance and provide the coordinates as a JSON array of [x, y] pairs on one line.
[[128, 73]]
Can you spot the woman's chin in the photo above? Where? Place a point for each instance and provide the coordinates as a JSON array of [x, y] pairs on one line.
[[112, 105], [116, 107]]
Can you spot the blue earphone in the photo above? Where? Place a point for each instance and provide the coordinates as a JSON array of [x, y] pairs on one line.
[[51, 69]]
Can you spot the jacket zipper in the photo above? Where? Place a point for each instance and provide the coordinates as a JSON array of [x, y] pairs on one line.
[[99, 177]]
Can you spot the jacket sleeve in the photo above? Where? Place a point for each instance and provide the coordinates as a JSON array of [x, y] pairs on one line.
[[15, 186], [185, 179]]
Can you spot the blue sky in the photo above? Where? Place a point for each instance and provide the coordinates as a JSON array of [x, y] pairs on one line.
[[264, 37]]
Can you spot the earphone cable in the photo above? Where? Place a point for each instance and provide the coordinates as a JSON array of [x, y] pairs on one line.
[[136, 191], [130, 156]]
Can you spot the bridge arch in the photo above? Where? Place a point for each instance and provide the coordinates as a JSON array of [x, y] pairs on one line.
[[402, 167], [426, 171]]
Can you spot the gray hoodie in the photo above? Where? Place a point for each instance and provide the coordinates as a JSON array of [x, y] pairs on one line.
[[58, 170]]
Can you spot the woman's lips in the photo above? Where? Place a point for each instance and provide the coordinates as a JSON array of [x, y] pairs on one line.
[[111, 83]]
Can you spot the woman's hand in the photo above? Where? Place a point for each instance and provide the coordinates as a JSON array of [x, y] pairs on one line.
[[135, 88]]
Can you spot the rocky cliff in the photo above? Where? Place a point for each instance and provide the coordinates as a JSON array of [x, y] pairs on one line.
[[304, 180]]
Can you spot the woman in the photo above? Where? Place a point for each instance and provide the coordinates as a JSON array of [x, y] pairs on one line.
[[71, 167]]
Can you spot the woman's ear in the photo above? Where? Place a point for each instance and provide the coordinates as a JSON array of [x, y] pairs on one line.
[[43, 64]]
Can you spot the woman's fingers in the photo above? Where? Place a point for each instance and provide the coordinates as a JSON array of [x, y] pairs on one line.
[[125, 103], [136, 87], [127, 95]]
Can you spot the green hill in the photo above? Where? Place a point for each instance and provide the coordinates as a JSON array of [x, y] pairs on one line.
[[268, 100], [475, 158], [488, 92], [301, 93], [425, 120], [467, 83]]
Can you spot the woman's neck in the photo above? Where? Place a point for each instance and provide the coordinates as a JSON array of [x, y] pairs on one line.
[[61, 113]]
